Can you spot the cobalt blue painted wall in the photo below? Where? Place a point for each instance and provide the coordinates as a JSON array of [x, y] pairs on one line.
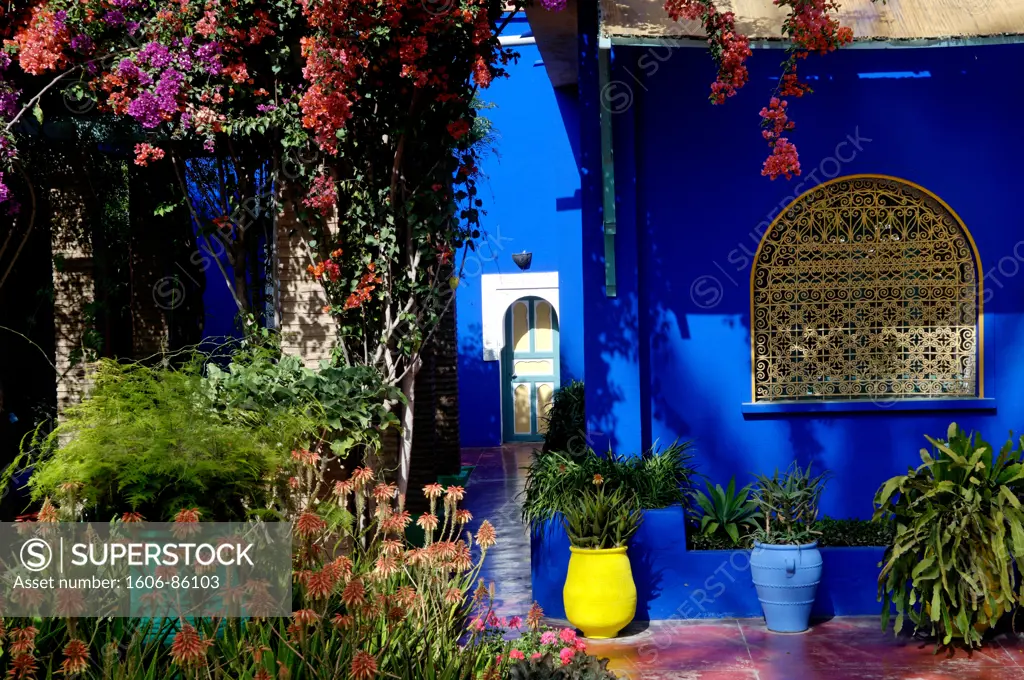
[[531, 195], [670, 356]]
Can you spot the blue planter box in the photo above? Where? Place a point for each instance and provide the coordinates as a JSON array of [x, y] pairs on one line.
[[675, 583]]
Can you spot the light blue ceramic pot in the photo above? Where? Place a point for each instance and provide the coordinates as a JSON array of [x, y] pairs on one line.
[[786, 578]]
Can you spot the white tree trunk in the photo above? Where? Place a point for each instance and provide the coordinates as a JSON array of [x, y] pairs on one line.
[[405, 448]]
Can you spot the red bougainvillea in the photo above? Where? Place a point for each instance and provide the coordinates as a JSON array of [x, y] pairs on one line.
[[809, 27]]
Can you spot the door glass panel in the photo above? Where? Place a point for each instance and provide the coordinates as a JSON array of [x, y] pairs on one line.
[[542, 333], [520, 327], [544, 392], [535, 367], [521, 406]]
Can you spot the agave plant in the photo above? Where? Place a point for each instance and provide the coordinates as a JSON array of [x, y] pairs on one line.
[[727, 511], [602, 519], [788, 504], [959, 536]]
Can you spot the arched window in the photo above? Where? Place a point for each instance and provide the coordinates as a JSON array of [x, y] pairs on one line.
[[866, 287]]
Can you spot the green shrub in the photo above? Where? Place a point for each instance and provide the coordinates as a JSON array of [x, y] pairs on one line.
[[789, 506], [959, 538], [852, 533], [549, 667], [567, 421], [149, 440], [726, 512], [555, 480], [830, 533], [332, 408]]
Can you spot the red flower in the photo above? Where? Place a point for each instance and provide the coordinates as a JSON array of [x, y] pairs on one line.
[[76, 658], [188, 649], [146, 153], [309, 524], [364, 666], [354, 593], [323, 194], [458, 129]]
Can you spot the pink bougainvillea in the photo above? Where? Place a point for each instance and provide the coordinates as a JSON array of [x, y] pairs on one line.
[[809, 28], [146, 153]]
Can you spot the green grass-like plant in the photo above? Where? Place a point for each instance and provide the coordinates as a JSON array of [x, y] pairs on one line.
[[657, 479], [566, 421], [959, 543]]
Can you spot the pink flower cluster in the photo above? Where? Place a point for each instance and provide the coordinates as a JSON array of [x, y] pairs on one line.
[[729, 48], [565, 641], [784, 159], [146, 153], [322, 195]]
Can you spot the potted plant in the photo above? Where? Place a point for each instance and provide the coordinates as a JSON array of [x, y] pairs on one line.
[[785, 563], [959, 536], [726, 514], [599, 593]]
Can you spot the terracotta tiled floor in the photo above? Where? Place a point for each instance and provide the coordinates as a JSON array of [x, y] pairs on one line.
[[840, 649]]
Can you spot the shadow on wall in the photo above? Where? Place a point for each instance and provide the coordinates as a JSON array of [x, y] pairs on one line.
[[607, 390], [479, 383]]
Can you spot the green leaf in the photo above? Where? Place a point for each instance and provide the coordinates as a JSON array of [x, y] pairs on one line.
[[37, 111], [733, 532]]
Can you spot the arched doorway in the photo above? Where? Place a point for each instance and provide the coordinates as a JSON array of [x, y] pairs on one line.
[[530, 368]]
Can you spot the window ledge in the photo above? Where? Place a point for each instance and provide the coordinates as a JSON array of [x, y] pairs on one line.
[[759, 408]]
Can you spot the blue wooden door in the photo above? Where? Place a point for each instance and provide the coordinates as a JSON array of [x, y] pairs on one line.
[[529, 367]]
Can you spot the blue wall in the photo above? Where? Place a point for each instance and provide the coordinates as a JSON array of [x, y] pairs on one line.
[[531, 195], [670, 356]]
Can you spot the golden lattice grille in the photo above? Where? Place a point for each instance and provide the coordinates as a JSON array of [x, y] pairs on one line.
[[865, 288]]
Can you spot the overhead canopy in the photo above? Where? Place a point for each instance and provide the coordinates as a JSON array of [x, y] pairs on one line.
[[895, 20]]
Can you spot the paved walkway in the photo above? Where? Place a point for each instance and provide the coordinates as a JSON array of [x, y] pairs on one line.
[[491, 494], [839, 649]]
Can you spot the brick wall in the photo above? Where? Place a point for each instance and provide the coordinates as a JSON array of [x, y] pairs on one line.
[[306, 330], [73, 286]]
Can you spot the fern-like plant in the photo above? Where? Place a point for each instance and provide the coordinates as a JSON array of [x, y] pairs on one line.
[[148, 440], [658, 478], [727, 511], [953, 565]]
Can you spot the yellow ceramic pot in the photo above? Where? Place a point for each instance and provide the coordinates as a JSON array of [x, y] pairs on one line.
[[599, 593]]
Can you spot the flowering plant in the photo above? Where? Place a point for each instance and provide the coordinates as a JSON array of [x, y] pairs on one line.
[[367, 604], [809, 28], [355, 120]]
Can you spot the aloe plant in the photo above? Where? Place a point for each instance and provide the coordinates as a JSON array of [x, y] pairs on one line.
[[727, 511], [959, 536], [788, 504], [602, 519]]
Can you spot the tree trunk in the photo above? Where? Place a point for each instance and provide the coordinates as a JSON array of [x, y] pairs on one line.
[[408, 416], [240, 272]]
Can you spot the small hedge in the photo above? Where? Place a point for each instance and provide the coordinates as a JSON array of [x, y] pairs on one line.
[[834, 533]]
